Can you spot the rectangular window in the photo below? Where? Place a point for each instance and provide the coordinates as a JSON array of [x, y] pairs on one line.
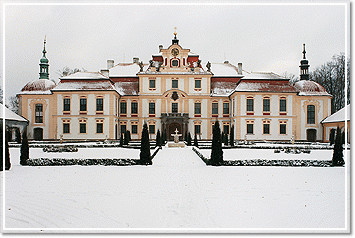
[[99, 127], [151, 129], [282, 105], [39, 113], [66, 104], [197, 129], [152, 83], [215, 108], [311, 116], [250, 128], [151, 108], [174, 107], [134, 129], [266, 105], [174, 83], [82, 127], [134, 107], [250, 105], [83, 107], [66, 128], [123, 108], [225, 108], [198, 108], [266, 128], [226, 129], [197, 83], [283, 129], [99, 104], [123, 128]]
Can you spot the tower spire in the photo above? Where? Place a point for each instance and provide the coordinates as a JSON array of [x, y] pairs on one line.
[[304, 74], [175, 40], [43, 65]]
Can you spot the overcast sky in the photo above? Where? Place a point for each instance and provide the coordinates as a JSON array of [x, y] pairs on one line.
[[263, 38]]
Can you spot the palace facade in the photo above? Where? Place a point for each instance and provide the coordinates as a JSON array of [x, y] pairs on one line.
[[174, 91]]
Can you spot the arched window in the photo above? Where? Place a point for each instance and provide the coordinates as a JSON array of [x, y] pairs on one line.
[[311, 116]]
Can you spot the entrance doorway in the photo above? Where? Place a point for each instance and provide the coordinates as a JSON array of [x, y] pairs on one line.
[[172, 128], [311, 135], [38, 133]]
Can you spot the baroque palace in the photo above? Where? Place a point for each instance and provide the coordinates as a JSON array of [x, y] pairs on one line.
[[174, 91]]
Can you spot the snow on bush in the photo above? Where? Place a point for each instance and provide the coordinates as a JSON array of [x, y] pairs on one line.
[[84, 162]]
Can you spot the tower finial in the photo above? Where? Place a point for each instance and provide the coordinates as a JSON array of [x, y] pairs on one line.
[[175, 40], [175, 33], [44, 46], [304, 51]]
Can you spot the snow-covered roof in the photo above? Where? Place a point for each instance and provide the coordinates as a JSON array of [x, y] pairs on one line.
[[84, 85], [224, 70], [10, 115], [39, 86], [339, 115], [85, 75], [126, 70], [223, 89], [127, 88], [310, 88], [264, 86], [263, 75]]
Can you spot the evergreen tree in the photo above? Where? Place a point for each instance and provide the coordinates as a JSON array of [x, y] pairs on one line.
[[332, 136], [144, 155], [189, 139], [231, 136], [226, 139], [343, 137], [121, 140], [338, 150], [164, 137], [185, 136], [195, 141], [25, 150], [217, 152], [1, 145], [18, 136], [126, 137], [7, 154], [158, 139]]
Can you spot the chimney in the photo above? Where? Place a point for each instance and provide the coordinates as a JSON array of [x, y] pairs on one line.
[[160, 47], [110, 64], [136, 60], [240, 70], [105, 72]]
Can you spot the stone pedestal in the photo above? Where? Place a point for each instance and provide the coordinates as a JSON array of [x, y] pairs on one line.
[[179, 144]]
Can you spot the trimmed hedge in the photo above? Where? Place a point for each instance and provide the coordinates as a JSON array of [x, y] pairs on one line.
[[83, 162]]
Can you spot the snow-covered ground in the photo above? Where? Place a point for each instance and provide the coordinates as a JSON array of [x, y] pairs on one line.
[[178, 192], [249, 154]]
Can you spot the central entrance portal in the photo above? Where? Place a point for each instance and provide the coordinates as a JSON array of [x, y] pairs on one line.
[[172, 121]]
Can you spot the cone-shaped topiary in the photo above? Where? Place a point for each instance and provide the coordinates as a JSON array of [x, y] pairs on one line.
[[338, 150], [1, 148], [158, 139], [332, 136], [7, 154], [126, 138], [217, 152], [185, 136], [25, 150], [18, 136], [189, 139], [144, 155], [226, 142], [231, 136], [121, 140], [195, 141]]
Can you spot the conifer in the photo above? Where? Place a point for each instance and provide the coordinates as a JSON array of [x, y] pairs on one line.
[[231, 136], [338, 150], [217, 152], [144, 155], [195, 141], [158, 139], [189, 139], [25, 155]]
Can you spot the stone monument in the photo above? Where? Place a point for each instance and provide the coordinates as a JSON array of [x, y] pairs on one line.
[[176, 142]]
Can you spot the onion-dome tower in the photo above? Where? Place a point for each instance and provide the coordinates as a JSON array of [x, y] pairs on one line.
[[304, 73], [43, 65]]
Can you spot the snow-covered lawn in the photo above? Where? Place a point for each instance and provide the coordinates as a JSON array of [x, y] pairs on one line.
[[178, 191], [249, 154]]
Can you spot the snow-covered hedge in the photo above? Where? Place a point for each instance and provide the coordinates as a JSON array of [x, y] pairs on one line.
[[281, 163], [84, 162], [199, 154]]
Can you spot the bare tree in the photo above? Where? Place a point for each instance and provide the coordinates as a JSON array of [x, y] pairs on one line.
[[68, 71], [291, 77], [1, 95], [13, 104], [331, 76]]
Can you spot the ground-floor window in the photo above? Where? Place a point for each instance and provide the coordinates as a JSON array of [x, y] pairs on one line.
[[283, 129], [134, 129], [123, 128], [250, 128], [66, 128], [266, 128], [99, 127], [226, 129], [197, 129], [151, 129], [82, 127]]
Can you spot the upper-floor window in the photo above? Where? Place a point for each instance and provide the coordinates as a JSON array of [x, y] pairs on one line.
[[197, 108], [123, 108], [83, 104], [250, 104], [174, 83], [99, 104], [174, 107], [66, 104], [152, 83], [282, 105], [134, 107], [215, 108], [226, 108], [151, 108], [311, 116], [39, 113], [197, 83], [266, 105]]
